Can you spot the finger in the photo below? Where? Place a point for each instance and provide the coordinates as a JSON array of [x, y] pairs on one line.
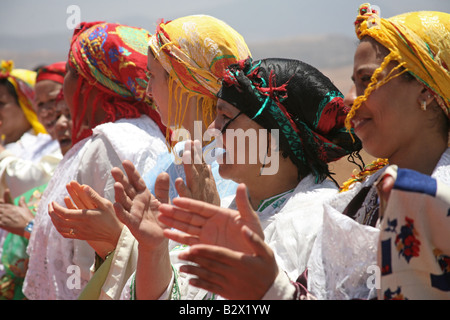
[[120, 196], [65, 228], [188, 166], [181, 237], [162, 187], [193, 162], [258, 245], [73, 190], [205, 279], [168, 211], [187, 227], [215, 258], [197, 152], [22, 202], [69, 203], [122, 214], [134, 176], [182, 189], [186, 156], [56, 218], [96, 200], [384, 188], [85, 198], [7, 196], [67, 214], [204, 209], [243, 203], [120, 177]]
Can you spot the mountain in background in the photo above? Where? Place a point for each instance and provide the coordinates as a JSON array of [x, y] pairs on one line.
[[332, 54]]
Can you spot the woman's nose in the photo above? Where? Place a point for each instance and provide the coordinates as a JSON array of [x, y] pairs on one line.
[[350, 97], [213, 129]]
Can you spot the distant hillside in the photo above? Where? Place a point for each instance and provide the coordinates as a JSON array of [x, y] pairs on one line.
[[29, 52], [327, 51]]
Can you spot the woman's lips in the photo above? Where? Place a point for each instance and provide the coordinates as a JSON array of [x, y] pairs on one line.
[[359, 122], [65, 141]]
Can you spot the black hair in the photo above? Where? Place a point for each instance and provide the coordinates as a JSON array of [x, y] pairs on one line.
[[10, 89]]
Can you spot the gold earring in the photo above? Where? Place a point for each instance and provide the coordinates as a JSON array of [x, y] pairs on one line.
[[423, 105]]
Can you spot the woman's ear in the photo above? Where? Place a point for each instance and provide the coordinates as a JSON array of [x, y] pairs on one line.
[[425, 98]]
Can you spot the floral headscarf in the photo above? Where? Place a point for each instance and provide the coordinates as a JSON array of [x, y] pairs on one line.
[[301, 102], [113, 58], [418, 41], [23, 82], [195, 50]]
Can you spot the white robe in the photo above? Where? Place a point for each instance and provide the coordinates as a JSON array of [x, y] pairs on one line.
[[345, 253], [26, 164], [290, 222], [59, 268]]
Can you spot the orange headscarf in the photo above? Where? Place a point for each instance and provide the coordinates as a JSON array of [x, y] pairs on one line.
[[195, 51], [418, 41]]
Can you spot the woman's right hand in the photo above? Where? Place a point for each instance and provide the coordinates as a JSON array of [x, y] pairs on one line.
[[137, 208]]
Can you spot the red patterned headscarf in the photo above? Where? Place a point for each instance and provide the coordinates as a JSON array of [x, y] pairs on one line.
[[54, 72], [113, 58]]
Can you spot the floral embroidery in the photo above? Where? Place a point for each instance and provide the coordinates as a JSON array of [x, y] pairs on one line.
[[394, 295], [443, 260], [441, 281], [407, 243]]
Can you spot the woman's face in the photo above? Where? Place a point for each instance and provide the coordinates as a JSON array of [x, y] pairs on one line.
[[70, 86], [158, 87], [62, 129], [244, 142], [13, 123], [46, 92], [389, 120]]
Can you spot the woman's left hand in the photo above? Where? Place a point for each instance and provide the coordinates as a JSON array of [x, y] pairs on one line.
[[221, 270], [199, 222], [88, 216]]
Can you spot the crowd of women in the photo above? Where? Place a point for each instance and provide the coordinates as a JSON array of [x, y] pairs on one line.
[[126, 170]]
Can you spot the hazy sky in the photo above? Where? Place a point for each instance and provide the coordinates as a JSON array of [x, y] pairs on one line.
[[254, 19]]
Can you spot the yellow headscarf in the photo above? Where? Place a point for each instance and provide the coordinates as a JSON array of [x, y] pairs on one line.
[[195, 51], [418, 41], [23, 82]]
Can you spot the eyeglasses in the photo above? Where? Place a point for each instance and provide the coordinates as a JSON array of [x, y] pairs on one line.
[[229, 122]]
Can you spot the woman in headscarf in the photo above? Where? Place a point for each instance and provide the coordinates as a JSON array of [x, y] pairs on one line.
[[295, 115], [48, 94], [32, 177], [401, 114], [112, 121], [186, 60], [188, 56], [23, 136]]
